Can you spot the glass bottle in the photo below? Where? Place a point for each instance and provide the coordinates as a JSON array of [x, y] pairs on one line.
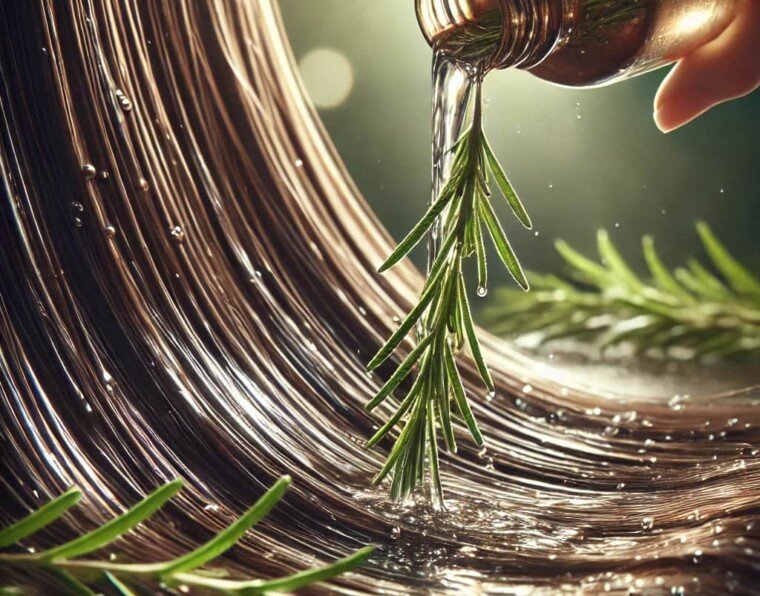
[[578, 43]]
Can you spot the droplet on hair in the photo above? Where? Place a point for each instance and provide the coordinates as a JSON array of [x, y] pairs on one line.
[[178, 233], [89, 171]]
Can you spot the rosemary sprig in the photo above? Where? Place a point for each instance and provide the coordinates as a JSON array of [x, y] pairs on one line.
[[689, 312], [442, 316], [79, 574]]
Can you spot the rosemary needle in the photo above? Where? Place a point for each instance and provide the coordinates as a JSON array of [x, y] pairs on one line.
[[443, 314]]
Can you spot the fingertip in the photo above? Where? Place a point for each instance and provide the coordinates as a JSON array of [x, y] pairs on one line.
[[661, 121], [672, 115]]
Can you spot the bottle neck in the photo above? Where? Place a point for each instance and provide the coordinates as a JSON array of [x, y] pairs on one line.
[[497, 33]]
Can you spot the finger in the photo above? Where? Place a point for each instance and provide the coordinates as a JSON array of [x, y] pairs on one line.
[[726, 68]]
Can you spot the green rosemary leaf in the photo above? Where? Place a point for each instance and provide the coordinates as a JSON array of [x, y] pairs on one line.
[[641, 303], [460, 397], [401, 373], [480, 252], [401, 443], [590, 271], [739, 278], [116, 527], [444, 252], [695, 284], [73, 586], [614, 262], [461, 142], [308, 577], [40, 518], [228, 537], [407, 324], [121, 588], [444, 307], [485, 374], [418, 231], [505, 186], [435, 472], [716, 289], [398, 415], [627, 329], [662, 277], [502, 244], [443, 402]]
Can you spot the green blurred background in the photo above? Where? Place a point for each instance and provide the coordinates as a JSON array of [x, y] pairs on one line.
[[580, 159]]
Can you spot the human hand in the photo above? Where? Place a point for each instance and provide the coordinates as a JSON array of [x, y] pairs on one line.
[[726, 68]]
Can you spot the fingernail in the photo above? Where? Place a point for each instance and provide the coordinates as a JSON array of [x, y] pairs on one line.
[[660, 119]]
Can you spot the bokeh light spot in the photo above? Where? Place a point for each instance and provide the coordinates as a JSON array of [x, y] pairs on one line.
[[328, 77]]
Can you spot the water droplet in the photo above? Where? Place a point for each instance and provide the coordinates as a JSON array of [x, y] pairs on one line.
[[551, 186], [647, 523], [211, 507], [578, 114], [620, 486], [78, 222], [469, 550], [490, 395], [395, 532], [482, 291], [109, 231], [536, 233], [178, 233], [77, 207], [299, 163], [697, 556], [527, 388], [103, 176], [124, 101], [89, 171], [617, 224], [143, 185]]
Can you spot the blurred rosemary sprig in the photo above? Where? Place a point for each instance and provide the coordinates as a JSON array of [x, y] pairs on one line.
[[442, 317], [690, 310], [78, 575], [476, 41]]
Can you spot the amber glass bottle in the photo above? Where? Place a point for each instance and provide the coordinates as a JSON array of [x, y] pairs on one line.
[[578, 43]]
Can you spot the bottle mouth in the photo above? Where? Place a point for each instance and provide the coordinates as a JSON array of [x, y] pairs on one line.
[[496, 34]]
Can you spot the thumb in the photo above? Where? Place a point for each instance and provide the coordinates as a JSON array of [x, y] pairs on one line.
[[725, 68]]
